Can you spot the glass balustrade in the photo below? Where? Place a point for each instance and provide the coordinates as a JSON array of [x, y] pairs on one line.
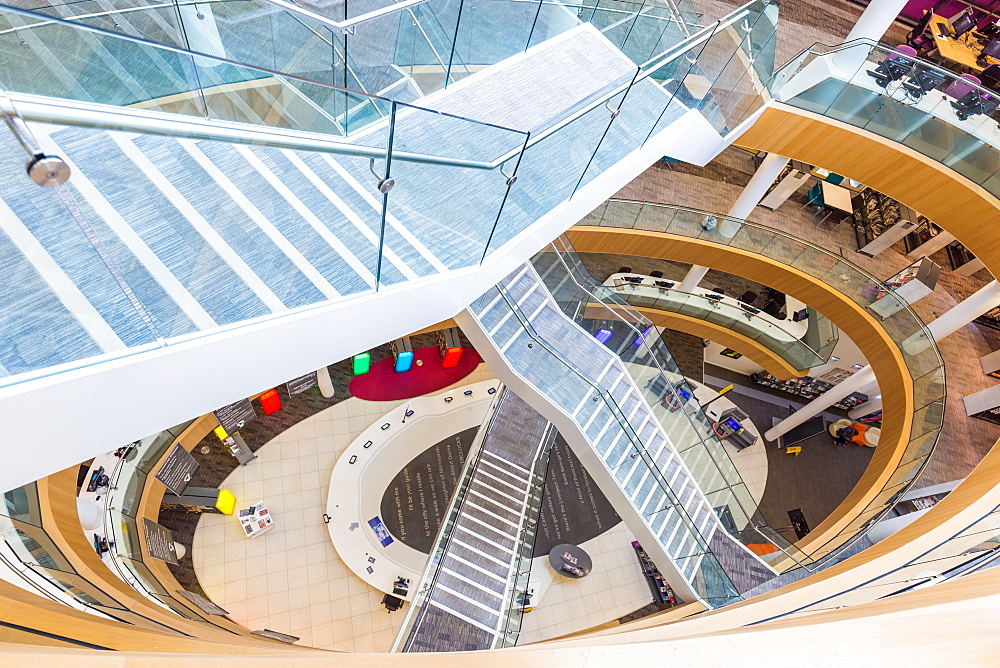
[[604, 423], [910, 100], [742, 319], [904, 327], [25, 530], [663, 387], [414, 191]]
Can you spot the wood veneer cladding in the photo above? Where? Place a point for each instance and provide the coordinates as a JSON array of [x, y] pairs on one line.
[[952, 201], [60, 519], [887, 361]]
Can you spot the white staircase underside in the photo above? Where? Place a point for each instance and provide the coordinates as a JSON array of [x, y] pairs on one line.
[[256, 264]]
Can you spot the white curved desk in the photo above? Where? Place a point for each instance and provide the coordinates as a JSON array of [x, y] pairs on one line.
[[356, 488]]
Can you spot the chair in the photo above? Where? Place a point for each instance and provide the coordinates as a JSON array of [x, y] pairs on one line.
[[719, 291], [918, 37], [962, 86], [815, 199], [624, 270], [656, 274], [990, 77], [748, 297], [391, 603]]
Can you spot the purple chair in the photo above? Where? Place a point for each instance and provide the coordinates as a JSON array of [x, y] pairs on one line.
[[918, 37], [906, 49], [961, 86]]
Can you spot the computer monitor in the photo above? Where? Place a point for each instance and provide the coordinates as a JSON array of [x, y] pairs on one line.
[[891, 69], [924, 79], [974, 102], [962, 24], [992, 48]]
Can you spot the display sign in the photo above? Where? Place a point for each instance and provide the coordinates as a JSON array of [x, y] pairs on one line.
[[270, 402], [159, 541], [202, 603], [362, 363], [301, 384], [235, 416], [380, 531], [177, 470]]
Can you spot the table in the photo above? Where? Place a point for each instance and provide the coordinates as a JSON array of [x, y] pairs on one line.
[[837, 197], [255, 520], [570, 561], [957, 50]]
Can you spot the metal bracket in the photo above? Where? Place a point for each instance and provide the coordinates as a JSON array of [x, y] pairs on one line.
[[384, 185], [47, 171], [511, 178], [326, 518], [614, 112]]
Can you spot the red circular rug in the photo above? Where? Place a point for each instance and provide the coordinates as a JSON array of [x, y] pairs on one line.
[[382, 383]]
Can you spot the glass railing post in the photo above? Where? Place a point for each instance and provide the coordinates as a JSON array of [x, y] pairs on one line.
[[511, 180], [385, 185], [607, 128]]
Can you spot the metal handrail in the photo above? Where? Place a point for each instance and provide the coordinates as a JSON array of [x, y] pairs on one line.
[[42, 19], [89, 114], [820, 49], [350, 25], [626, 427], [429, 577], [750, 316]]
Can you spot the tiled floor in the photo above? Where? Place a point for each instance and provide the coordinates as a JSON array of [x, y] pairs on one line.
[[614, 588], [290, 579]]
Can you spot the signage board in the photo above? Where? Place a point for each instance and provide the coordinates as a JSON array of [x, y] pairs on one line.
[[159, 541], [177, 470], [235, 416], [381, 532], [202, 603], [301, 384]]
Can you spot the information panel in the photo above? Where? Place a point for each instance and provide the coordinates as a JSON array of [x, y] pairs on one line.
[[235, 416], [380, 531], [159, 541], [203, 603], [177, 470], [301, 384]]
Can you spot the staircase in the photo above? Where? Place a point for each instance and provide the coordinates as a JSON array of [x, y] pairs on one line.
[[584, 389], [478, 576], [269, 220]]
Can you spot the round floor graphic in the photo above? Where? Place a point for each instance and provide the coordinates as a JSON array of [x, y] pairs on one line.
[[413, 505]]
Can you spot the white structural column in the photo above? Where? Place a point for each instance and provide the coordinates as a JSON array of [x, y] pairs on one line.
[[853, 384], [324, 381], [956, 318], [865, 408], [751, 196], [876, 19], [961, 315]]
